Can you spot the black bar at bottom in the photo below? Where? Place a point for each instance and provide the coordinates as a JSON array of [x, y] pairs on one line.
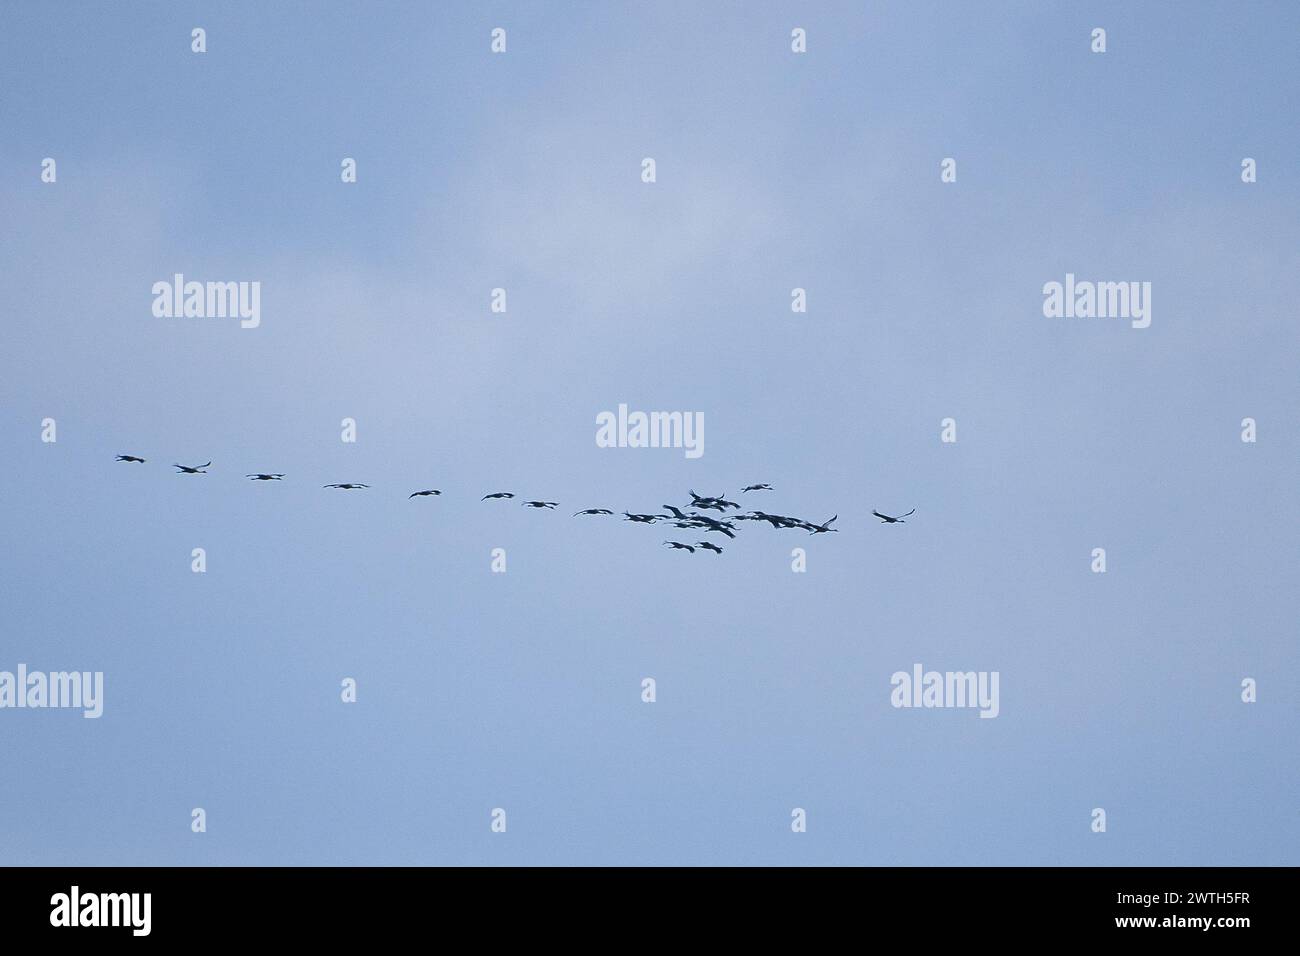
[[373, 904]]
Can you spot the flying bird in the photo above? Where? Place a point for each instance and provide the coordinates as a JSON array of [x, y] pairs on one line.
[[678, 546], [776, 521], [756, 488], [822, 528], [709, 504], [759, 516], [347, 486], [196, 470], [593, 511], [498, 494], [713, 524], [260, 477], [885, 519], [708, 546], [540, 504], [644, 519], [130, 458], [423, 494], [700, 501]]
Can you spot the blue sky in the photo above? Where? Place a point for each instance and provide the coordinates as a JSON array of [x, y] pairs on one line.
[[522, 690]]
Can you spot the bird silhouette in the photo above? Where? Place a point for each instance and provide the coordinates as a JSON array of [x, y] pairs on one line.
[[709, 504], [885, 519], [713, 524], [130, 458], [423, 494], [776, 521], [822, 528], [644, 519], [260, 477], [593, 511], [678, 546], [540, 504], [196, 470], [348, 486], [756, 488], [708, 546], [498, 494]]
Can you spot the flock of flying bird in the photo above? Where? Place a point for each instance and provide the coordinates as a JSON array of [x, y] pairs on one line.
[[694, 520]]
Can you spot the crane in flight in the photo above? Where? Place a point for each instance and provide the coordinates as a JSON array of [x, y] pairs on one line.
[[708, 502], [196, 470], [885, 519], [712, 524], [776, 521]]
